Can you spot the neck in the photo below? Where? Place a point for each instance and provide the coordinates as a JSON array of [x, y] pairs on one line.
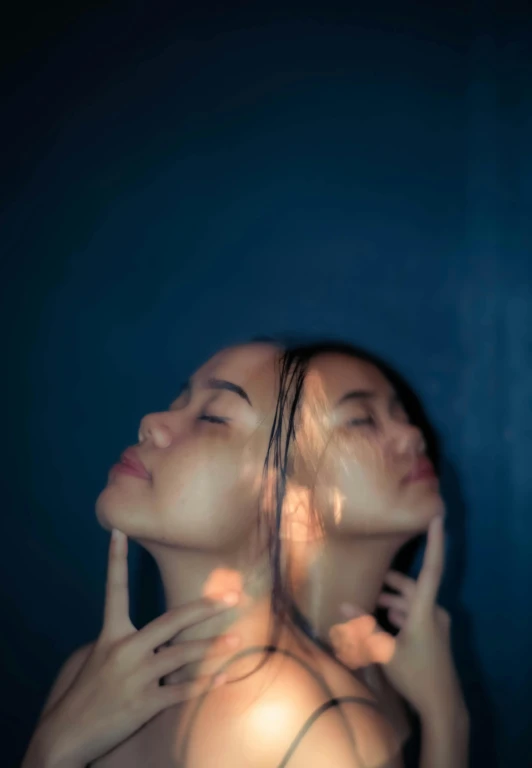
[[189, 576], [346, 570]]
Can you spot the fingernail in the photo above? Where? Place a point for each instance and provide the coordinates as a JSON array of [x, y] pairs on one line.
[[230, 598]]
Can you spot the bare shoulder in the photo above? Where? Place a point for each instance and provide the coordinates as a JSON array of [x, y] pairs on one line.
[[66, 675], [281, 714], [360, 738]]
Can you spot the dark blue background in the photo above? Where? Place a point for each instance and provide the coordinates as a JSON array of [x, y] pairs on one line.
[[177, 181]]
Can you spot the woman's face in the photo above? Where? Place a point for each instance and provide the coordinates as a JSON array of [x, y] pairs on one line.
[[358, 452], [204, 456]]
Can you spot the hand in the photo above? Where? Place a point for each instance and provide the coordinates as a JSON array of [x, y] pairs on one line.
[[419, 664], [422, 668], [360, 641], [117, 690]]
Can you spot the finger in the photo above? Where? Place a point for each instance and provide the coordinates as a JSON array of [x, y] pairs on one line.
[[169, 695], [357, 628], [349, 639], [397, 618], [357, 646], [398, 602], [381, 647], [176, 656], [172, 622], [431, 572], [210, 666], [116, 608], [401, 583]]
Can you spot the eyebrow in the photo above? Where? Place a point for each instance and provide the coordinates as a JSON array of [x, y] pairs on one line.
[[219, 384], [365, 394], [230, 387], [356, 394]]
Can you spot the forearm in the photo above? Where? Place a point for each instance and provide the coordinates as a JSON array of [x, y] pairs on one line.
[[445, 739], [44, 751]]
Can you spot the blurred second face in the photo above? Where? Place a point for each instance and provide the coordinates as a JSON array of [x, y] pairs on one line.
[[363, 460]]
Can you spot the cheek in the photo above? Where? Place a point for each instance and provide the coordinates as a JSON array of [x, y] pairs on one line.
[[360, 462], [356, 474], [208, 488], [193, 475]]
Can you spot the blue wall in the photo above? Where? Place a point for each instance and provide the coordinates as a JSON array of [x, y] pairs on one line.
[[178, 184]]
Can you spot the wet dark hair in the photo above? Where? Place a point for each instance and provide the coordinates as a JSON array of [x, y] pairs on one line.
[[293, 367]]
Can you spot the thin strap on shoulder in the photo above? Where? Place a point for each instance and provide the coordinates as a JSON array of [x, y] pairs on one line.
[[271, 649], [316, 714], [201, 699]]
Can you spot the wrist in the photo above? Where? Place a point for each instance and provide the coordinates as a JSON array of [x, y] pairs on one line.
[[445, 738], [446, 716], [445, 702]]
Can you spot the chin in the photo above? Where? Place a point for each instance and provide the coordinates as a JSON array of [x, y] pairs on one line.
[[424, 512], [101, 512], [112, 511]]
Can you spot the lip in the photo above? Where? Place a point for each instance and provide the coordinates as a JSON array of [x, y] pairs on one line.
[[131, 465], [422, 470]]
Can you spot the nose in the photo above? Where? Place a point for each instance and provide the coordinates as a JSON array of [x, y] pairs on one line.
[[154, 427], [409, 439]]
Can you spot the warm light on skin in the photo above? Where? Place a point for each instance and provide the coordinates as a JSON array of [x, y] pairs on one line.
[[221, 581], [297, 526], [198, 517], [359, 642], [338, 501]]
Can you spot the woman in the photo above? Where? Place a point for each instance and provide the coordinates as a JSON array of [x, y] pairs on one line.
[[195, 494], [361, 477]]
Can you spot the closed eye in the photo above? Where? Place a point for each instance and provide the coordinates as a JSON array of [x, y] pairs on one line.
[[212, 419], [366, 421]]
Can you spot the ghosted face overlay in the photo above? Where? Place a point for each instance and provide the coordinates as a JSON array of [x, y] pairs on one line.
[[205, 456], [357, 451]]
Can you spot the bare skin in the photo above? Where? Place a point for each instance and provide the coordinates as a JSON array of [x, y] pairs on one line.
[[196, 510], [110, 688], [356, 452], [208, 548]]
